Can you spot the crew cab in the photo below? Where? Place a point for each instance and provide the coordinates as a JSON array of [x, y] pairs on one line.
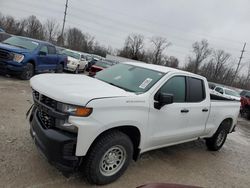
[[25, 57], [100, 124], [76, 61]]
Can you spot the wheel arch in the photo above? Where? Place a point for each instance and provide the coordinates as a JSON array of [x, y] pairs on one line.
[[228, 123], [131, 131]]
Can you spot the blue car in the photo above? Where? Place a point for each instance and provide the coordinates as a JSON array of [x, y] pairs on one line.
[[25, 57]]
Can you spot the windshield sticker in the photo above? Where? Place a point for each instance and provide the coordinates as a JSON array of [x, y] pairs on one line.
[[145, 83], [35, 43], [117, 77]]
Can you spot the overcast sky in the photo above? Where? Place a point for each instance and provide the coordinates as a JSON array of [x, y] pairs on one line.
[[224, 23]]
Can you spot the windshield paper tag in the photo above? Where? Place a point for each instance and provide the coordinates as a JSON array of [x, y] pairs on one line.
[[35, 43], [145, 83]]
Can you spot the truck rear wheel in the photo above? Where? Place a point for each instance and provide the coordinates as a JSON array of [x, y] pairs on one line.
[[218, 139], [108, 158], [28, 72]]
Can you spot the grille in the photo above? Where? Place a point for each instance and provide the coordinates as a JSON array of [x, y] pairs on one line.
[[5, 55], [45, 100], [36, 94], [48, 101], [46, 119]]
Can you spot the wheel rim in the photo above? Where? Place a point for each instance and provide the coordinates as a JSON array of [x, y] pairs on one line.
[[113, 160], [29, 73], [221, 137]]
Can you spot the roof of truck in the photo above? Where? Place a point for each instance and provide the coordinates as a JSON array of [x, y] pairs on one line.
[[159, 68]]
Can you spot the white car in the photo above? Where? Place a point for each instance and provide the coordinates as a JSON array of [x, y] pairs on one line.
[[76, 61], [228, 93], [100, 124]]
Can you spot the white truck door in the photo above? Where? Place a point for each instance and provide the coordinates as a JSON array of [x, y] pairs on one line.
[[170, 123], [179, 121], [199, 106]]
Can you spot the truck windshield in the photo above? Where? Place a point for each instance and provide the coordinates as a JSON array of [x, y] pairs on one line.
[[71, 54], [129, 77], [21, 43]]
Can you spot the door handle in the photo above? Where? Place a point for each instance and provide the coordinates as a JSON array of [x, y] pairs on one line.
[[184, 111], [204, 110]]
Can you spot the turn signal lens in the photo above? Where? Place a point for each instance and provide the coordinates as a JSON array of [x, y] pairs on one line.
[[82, 111]]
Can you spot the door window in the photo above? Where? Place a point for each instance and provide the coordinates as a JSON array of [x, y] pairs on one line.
[[177, 87], [219, 89], [51, 50], [196, 90], [44, 49]]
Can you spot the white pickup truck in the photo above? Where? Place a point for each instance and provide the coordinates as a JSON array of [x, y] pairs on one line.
[[99, 124]]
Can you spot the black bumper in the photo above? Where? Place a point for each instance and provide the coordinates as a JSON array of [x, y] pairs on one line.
[[6, 68], [56, 145]]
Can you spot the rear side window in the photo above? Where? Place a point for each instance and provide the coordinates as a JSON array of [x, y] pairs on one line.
[[51, 50], [196, 90], [177, 87]]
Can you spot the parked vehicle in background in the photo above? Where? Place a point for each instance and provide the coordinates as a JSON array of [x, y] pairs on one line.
[[1, 30], [211, 85], [76, 61], [100, 124], [228, 93], [25, 57], [98, 66], [245, 93], [91, 63], [245, 104]]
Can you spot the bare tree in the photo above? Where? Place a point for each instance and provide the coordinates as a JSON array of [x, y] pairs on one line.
[[159, 45], [171, 61], [51, 28], [220, 58], [34, 28], [133, 47], [75, 39], [201, 51]]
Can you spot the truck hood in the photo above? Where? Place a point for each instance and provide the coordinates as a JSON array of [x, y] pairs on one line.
[[72, 59], [74, 89], [13, 48]]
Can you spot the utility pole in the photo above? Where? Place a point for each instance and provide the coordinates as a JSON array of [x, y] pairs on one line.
[[238, 66], [64, 19]]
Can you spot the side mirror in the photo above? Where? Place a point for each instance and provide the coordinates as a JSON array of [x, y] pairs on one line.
[[42, 53], [221, 92], [162, 99]]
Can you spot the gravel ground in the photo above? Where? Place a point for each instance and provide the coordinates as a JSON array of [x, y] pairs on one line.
[[22, 166]]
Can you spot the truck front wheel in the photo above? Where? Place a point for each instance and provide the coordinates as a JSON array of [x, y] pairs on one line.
[[28, 72], [218, 139], [108, 158]]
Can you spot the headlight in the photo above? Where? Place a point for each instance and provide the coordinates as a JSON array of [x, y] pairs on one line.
[[75, 110], [18, 57]]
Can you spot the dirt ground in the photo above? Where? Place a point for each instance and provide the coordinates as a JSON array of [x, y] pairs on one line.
[[22, 166]]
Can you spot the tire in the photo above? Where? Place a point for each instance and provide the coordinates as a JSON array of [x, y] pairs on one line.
[[218, 139], [28, 72], [108, 158], [77, 70], [59, 68]]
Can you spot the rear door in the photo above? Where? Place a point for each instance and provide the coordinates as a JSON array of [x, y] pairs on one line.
[[52, 57], [198, 106]]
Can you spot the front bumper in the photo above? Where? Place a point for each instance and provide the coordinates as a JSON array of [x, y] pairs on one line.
[[56, 145], [11, 67]]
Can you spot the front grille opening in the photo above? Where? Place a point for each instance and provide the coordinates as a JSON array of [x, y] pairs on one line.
[[46, 120], [48, 101], [36, 94], [5, 55]]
